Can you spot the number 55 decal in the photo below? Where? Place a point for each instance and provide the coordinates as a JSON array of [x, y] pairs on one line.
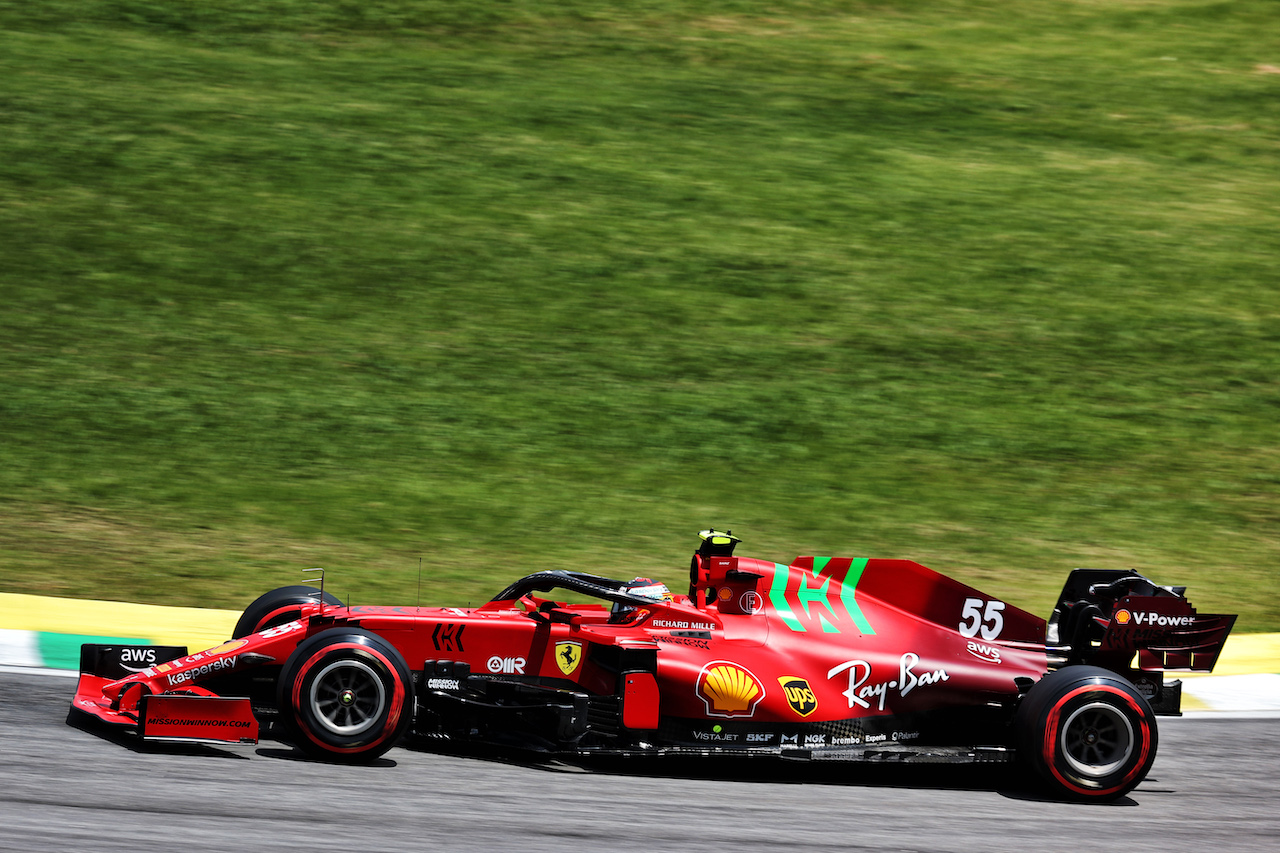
[[990, 622]]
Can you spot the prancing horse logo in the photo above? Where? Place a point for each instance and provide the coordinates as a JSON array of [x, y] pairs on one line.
[[568, 656]]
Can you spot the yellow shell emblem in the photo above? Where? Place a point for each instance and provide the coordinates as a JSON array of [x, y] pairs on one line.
[[728, 690], [226, 648]]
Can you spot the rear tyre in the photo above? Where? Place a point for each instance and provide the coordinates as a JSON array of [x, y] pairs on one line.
[[278, 607], [344, 695], [1087, 733]]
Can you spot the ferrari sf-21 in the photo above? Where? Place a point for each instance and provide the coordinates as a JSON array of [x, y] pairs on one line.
[[825, 659]]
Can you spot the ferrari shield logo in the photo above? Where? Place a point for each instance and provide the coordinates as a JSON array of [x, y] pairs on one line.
[[799, 695], [568, 656]]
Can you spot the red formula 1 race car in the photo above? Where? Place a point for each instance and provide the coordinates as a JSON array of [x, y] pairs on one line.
[[865, 660]]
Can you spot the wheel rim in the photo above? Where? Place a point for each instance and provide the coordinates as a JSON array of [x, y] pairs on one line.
[[347, 697], [1097, 740]]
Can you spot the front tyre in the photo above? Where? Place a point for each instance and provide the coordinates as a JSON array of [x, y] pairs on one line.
[[278, 607], [344, 695], [1087, 733]]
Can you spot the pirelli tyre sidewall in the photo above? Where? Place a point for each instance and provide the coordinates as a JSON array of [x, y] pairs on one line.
[[1087, 733], [345, 695], [278, 607]]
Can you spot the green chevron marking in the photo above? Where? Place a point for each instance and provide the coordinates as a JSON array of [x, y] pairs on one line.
[[847, 591]]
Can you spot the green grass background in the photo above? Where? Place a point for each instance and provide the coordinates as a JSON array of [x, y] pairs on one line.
[[512, 285]]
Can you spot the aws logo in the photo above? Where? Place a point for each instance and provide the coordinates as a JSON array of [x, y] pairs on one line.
[[136, 659], [982, 651], [799, 695]]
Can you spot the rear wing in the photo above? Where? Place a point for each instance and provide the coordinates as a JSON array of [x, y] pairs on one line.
[[1107, 618], [1167, 634]]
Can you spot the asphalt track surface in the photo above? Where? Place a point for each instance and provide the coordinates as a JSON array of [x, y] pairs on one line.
[[1215, 786]]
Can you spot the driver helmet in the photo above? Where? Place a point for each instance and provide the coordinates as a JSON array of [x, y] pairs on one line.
[[644, 588]]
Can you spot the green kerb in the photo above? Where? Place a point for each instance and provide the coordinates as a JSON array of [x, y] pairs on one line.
[[62, 651]]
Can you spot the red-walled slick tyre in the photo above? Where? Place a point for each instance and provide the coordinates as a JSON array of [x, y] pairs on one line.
[[344, 695], [278, 607], [1087, 733]]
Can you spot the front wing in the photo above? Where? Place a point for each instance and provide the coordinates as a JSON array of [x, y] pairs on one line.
[[111, 693]]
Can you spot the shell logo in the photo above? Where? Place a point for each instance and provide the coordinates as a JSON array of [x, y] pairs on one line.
[[1122, 617], [729, 690], [228, 646]]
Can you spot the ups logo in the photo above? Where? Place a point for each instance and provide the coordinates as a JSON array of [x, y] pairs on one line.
[[799, 695]]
